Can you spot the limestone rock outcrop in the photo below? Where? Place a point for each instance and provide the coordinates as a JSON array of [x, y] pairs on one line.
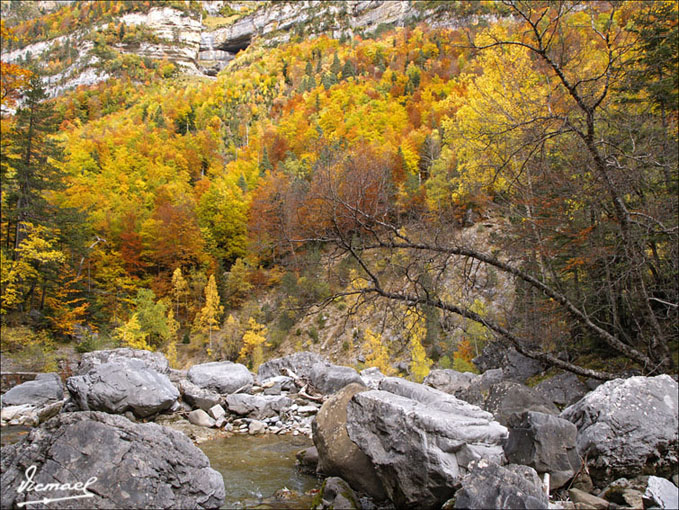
[[628, 427], [421, 440], [131, 465]]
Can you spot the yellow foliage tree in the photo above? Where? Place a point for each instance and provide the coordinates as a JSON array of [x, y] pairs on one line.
[[17, 276], [132, 335], [231, 341], [509, 88], [253, 342], [420, 364], [376, 353], [208, 320], [172, 328], [179, 288]]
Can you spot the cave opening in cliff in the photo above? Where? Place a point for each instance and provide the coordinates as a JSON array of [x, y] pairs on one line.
[[236, 45]]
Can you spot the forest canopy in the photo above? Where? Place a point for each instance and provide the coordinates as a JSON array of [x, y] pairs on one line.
[[556, 122]]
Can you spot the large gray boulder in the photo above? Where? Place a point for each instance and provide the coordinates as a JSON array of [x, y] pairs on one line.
[[328, 378], [489, 485], [198, 397], [421, 440], [563, 389], [628, 427], [432, 397], [508, 397], [466, 386], [337, 454], [123, 385], [132, 465], [514, 365], [44, 389], [222, 377], [450, 381], [153, 360], [544, 442], [299, 363], [257, 406]]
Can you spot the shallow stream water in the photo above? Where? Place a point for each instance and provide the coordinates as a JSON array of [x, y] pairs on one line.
[[13, 434], [256, 467]]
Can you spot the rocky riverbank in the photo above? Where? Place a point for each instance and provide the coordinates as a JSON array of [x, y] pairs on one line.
[[456, 441]]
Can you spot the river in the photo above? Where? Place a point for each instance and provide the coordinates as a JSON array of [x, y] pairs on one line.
[[256, 467]]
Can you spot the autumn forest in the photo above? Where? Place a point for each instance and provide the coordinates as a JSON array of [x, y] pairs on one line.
[[511, 180]]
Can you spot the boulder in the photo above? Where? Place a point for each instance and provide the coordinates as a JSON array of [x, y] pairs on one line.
[[337, 454], [563, 389], [307, 460], [127, 465], [50, 410], [472, 388], [450, 381], [217, 412], [44, 389], [300, 363], [256, 427], [257, 406], [222, 377], [519, 367], [197, 396], [626, 492], [336, 494], [479, 387], [153, 360], [372, 377], [123, 385], [661, 493], [421, 440], [628, 427], [328, 378], [201, 418], [508, 397], [544, 442], [277, 384], [587, 501], [433, 398], [489, 485], [514, 365]]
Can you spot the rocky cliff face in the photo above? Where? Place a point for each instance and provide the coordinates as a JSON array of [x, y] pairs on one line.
[[205, 43]]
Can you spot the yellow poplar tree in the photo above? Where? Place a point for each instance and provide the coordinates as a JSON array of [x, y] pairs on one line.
[[376, 354], [172, 328], [132, 335], [420, 363], [212, 311], [253, 341], [179, 287]]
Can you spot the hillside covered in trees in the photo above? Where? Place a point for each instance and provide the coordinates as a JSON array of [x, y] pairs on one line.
[[509, 178]]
